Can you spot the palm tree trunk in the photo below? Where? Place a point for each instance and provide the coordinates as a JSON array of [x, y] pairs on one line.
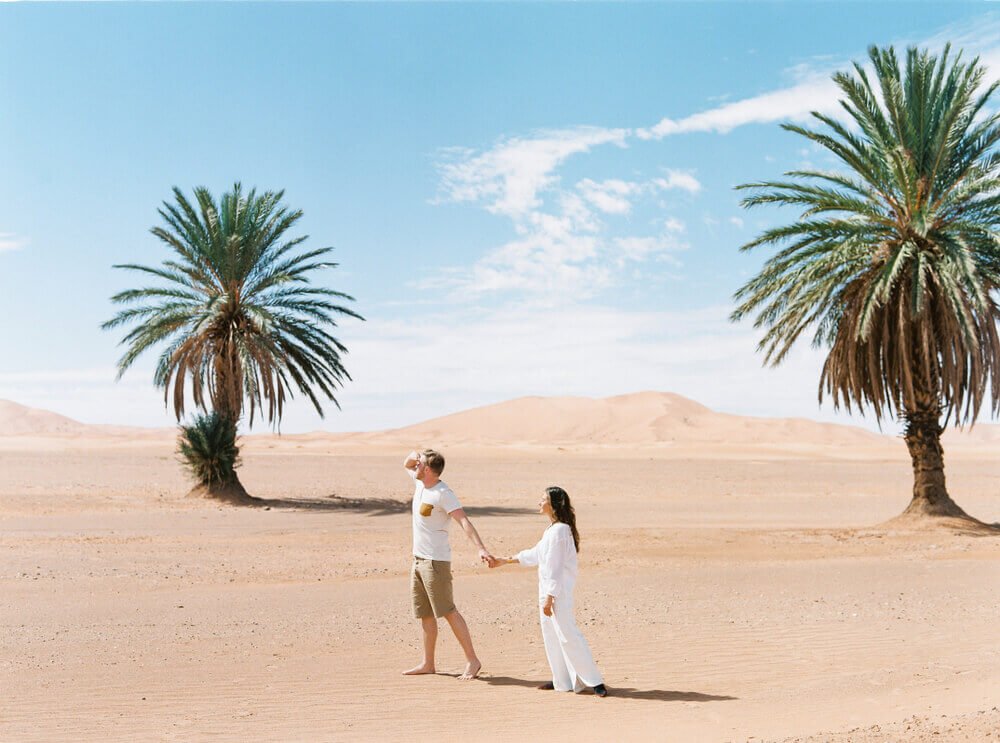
[[923, 439], [228, 492]]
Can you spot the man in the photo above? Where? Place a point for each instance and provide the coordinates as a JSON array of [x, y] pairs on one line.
[[434, 507]]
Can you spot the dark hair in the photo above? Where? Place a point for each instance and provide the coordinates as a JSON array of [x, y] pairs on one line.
[[434, 460], [563, 510]]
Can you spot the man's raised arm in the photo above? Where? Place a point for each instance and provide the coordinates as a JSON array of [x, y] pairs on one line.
[[411, 460]]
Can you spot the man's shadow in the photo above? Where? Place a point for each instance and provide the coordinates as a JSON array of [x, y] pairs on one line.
[[656, 695]]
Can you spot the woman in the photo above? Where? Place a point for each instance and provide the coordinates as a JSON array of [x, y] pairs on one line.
[[573, 667]]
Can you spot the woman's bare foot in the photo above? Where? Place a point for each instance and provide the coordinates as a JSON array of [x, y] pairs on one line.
[[471, 670], [420, 670]]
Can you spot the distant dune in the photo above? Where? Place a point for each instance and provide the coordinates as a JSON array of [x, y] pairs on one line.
[[20, 420], [639, 419]]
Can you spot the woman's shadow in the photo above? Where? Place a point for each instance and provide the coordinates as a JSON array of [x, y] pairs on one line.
[[656, 695]]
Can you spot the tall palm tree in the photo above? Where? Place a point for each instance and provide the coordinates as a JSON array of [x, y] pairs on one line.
[[895, 260], [240, 322]]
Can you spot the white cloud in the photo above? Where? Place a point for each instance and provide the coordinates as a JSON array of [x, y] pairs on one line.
[[611, 196], [679, 179], [978, 38], [814, 89], [643, 248], [540, 263], [10, 241], [615, 196], [509, 177], [816, 93]]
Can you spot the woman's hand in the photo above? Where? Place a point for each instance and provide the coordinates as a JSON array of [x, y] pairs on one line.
[[549, 607]]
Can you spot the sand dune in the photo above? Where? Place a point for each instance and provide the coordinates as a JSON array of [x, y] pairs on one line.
[[982, 434], [21, 421], [639, 419]]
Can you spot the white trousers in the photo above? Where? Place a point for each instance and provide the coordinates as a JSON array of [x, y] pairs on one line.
[[572, 664]]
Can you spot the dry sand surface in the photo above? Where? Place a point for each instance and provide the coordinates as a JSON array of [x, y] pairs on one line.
[[734, 584]]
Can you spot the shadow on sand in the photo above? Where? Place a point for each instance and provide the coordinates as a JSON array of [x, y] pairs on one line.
[[656, 695], [371, 506], [965, 525]]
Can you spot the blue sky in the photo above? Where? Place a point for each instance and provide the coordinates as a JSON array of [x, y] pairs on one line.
[[525, 199]]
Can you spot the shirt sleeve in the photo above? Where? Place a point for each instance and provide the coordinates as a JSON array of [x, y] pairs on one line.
[[555, 559], [529, 557], [449, 501]]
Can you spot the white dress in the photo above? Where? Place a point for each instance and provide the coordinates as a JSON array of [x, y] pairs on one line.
[[573, 667]]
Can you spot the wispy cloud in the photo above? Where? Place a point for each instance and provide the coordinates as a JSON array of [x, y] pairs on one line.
[[615, 196], [679, 179], [509, 176], [10, 241], [815, 93], [639, 249], [814, 90], [610, 196], [979, 38]]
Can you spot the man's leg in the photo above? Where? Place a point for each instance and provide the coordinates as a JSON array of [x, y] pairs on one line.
[[423, 610], [461, 630], [430, 634]]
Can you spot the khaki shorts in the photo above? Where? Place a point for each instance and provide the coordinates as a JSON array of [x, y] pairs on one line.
[[430, 585]]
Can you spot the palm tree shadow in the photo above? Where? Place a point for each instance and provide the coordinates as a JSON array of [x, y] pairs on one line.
[[656, 695], [370, 506]]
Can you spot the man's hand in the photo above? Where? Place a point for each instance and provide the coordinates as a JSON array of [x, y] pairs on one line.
[[549, 608], [487, 558]]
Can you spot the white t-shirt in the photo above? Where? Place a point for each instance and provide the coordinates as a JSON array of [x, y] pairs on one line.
[[430, 533]]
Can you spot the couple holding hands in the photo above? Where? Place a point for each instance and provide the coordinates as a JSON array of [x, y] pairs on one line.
[[434, 508]]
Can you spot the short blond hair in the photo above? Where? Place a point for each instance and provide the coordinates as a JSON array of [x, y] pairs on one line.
[[434, 460]]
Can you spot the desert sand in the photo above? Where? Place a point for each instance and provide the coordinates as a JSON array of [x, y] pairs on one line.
[[738, 583]]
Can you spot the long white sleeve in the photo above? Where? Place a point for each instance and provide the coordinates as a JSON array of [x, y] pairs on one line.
[[529, 557], [556, 558]]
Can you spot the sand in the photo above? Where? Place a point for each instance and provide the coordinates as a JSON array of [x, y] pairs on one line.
[[733, 588]]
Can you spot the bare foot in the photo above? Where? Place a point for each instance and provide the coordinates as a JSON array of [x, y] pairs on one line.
[[471, 670], [420, 670]]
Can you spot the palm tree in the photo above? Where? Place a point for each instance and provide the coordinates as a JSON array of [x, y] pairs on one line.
[[240, 323], [895, 259]]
